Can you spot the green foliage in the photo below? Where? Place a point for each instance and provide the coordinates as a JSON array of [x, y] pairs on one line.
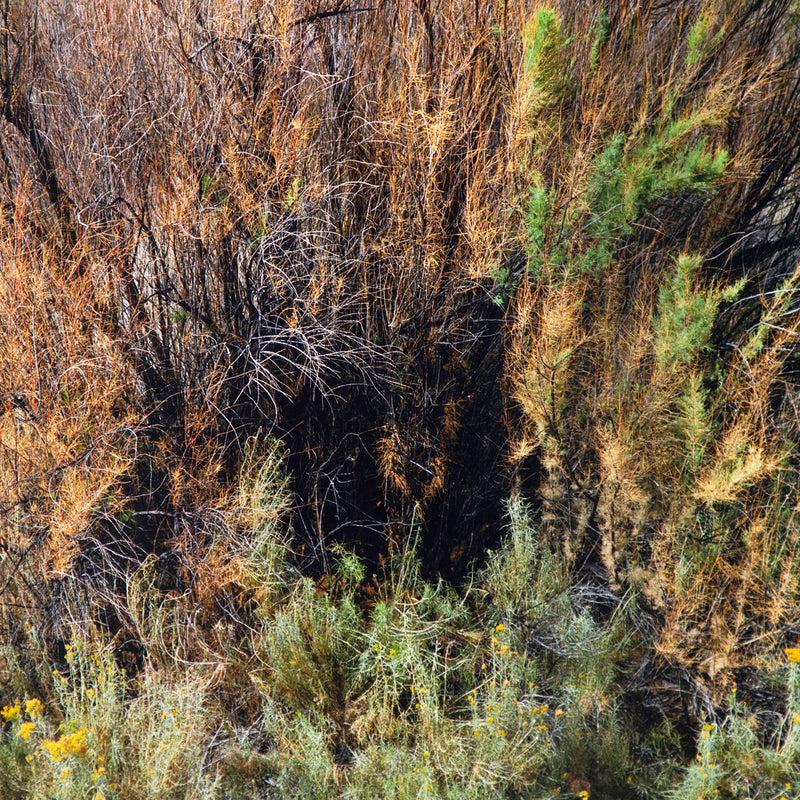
[[95, 739], [634, 172], [734, 760], [543, 59], [698, 42], [629, 179], [684, 316], [602, 29]]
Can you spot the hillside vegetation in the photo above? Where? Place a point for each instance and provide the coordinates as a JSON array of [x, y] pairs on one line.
[[399, 400]]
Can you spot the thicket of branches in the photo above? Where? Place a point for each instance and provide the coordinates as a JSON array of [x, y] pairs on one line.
[[443, 252]]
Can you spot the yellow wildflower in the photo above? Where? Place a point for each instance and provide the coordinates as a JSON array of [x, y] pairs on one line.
[[69, 744], [793, 654], [796, 718], [76, 742], [55, 750], [33, 707], [584, 794], [500, 627], [10, 712], [26, 729]]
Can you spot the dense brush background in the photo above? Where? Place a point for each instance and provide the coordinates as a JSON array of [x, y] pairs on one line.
[[399, 399]]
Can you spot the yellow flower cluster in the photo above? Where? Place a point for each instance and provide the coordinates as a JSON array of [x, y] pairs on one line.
[[26, 729], [793, 654], [10, 712], [33, 707], [67, 745]]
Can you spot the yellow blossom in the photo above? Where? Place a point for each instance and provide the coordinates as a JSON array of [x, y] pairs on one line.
[[500, 627], [33, 707], [10, 712], [793, 654], [584, 794], [68, 744], [796, 718], [26, 729]]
